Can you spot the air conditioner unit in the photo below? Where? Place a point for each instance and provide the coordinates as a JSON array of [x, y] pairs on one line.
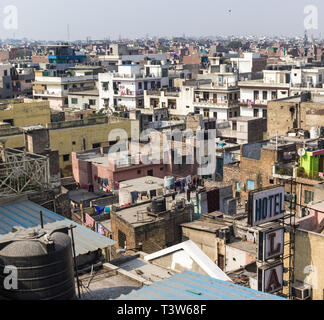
[[301, 291]]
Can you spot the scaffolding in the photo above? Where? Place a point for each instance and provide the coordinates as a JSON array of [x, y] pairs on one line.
[[22, 173]]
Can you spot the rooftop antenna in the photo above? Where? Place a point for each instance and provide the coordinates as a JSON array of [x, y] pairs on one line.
[[68, 32]]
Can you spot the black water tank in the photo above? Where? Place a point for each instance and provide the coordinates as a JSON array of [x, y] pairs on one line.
[[44, 264], [158, 205]]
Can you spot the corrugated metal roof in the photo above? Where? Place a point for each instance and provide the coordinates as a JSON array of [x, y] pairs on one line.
[[27, 214], [192, 286]]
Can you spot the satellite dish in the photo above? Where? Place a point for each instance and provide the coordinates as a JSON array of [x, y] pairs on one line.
[[301, 152]]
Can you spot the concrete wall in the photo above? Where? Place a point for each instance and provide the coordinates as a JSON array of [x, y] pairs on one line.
[[26, 114], [309, 265]]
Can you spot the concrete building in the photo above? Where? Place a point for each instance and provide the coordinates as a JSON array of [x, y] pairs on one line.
[[83, 100], [255, 94], [219, 240], [55, 89], [309, 245], [6, 88], [144, 227], [24, 112], [71, 136], [299, 112], [126, 88]]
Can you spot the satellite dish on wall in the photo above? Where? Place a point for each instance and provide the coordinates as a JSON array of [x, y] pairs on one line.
[[301, 152]]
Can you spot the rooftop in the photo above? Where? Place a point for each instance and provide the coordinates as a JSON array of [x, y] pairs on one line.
[[192, 286], [26, 214]]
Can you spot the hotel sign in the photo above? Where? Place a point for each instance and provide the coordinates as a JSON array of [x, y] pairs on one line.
[[266, 205], [271, 243], [270, 278]]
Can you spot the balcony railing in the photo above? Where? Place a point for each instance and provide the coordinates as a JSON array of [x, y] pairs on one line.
[[312, 175], [283, 171]]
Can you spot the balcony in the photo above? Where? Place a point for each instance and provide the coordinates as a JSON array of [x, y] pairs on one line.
[[284, 171], [312, 177]]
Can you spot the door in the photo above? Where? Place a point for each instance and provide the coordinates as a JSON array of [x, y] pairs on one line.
[[221, 261]]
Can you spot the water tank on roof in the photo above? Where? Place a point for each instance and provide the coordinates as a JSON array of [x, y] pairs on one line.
[[158, 205], [44, 265]]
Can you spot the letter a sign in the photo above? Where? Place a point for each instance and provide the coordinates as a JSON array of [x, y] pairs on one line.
[[270, 278]]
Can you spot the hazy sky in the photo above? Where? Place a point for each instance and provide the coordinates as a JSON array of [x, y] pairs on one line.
[[47, 20]]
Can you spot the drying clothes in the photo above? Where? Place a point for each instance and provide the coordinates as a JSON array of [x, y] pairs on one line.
[[188, 179], [89, 221], [99, 180], [107, 209], [105, 181], [134, 195], [99, 210], [101, 230], [91, 188]]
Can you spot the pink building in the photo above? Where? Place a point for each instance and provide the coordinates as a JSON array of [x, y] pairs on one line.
[[94, 168]]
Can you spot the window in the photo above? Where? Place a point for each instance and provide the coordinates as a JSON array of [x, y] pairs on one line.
[[250, 184], [5, 73], [271, 181], [238, 188], [308, 196], [256, 95], [96, 145], [215, 115], [74, 100], [65, 87], [150, 173], [234, 128], [161, 169], [187, 107], [92, 102], [10, 121], [206, 113], [274, 95], [264, 113], [265, 95], [139, 171], [74, 143], [121, 239], [66, 157], [140, 85], [255, 113]]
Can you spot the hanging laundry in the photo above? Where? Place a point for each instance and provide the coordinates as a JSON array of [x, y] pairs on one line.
[[99, 210], [89, 221], [105, 181], [134, 195], [107, 209]]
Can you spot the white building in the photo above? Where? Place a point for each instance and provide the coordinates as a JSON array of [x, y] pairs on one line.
[[56, 89], [126, 88], [309, 78], [255, 94]]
